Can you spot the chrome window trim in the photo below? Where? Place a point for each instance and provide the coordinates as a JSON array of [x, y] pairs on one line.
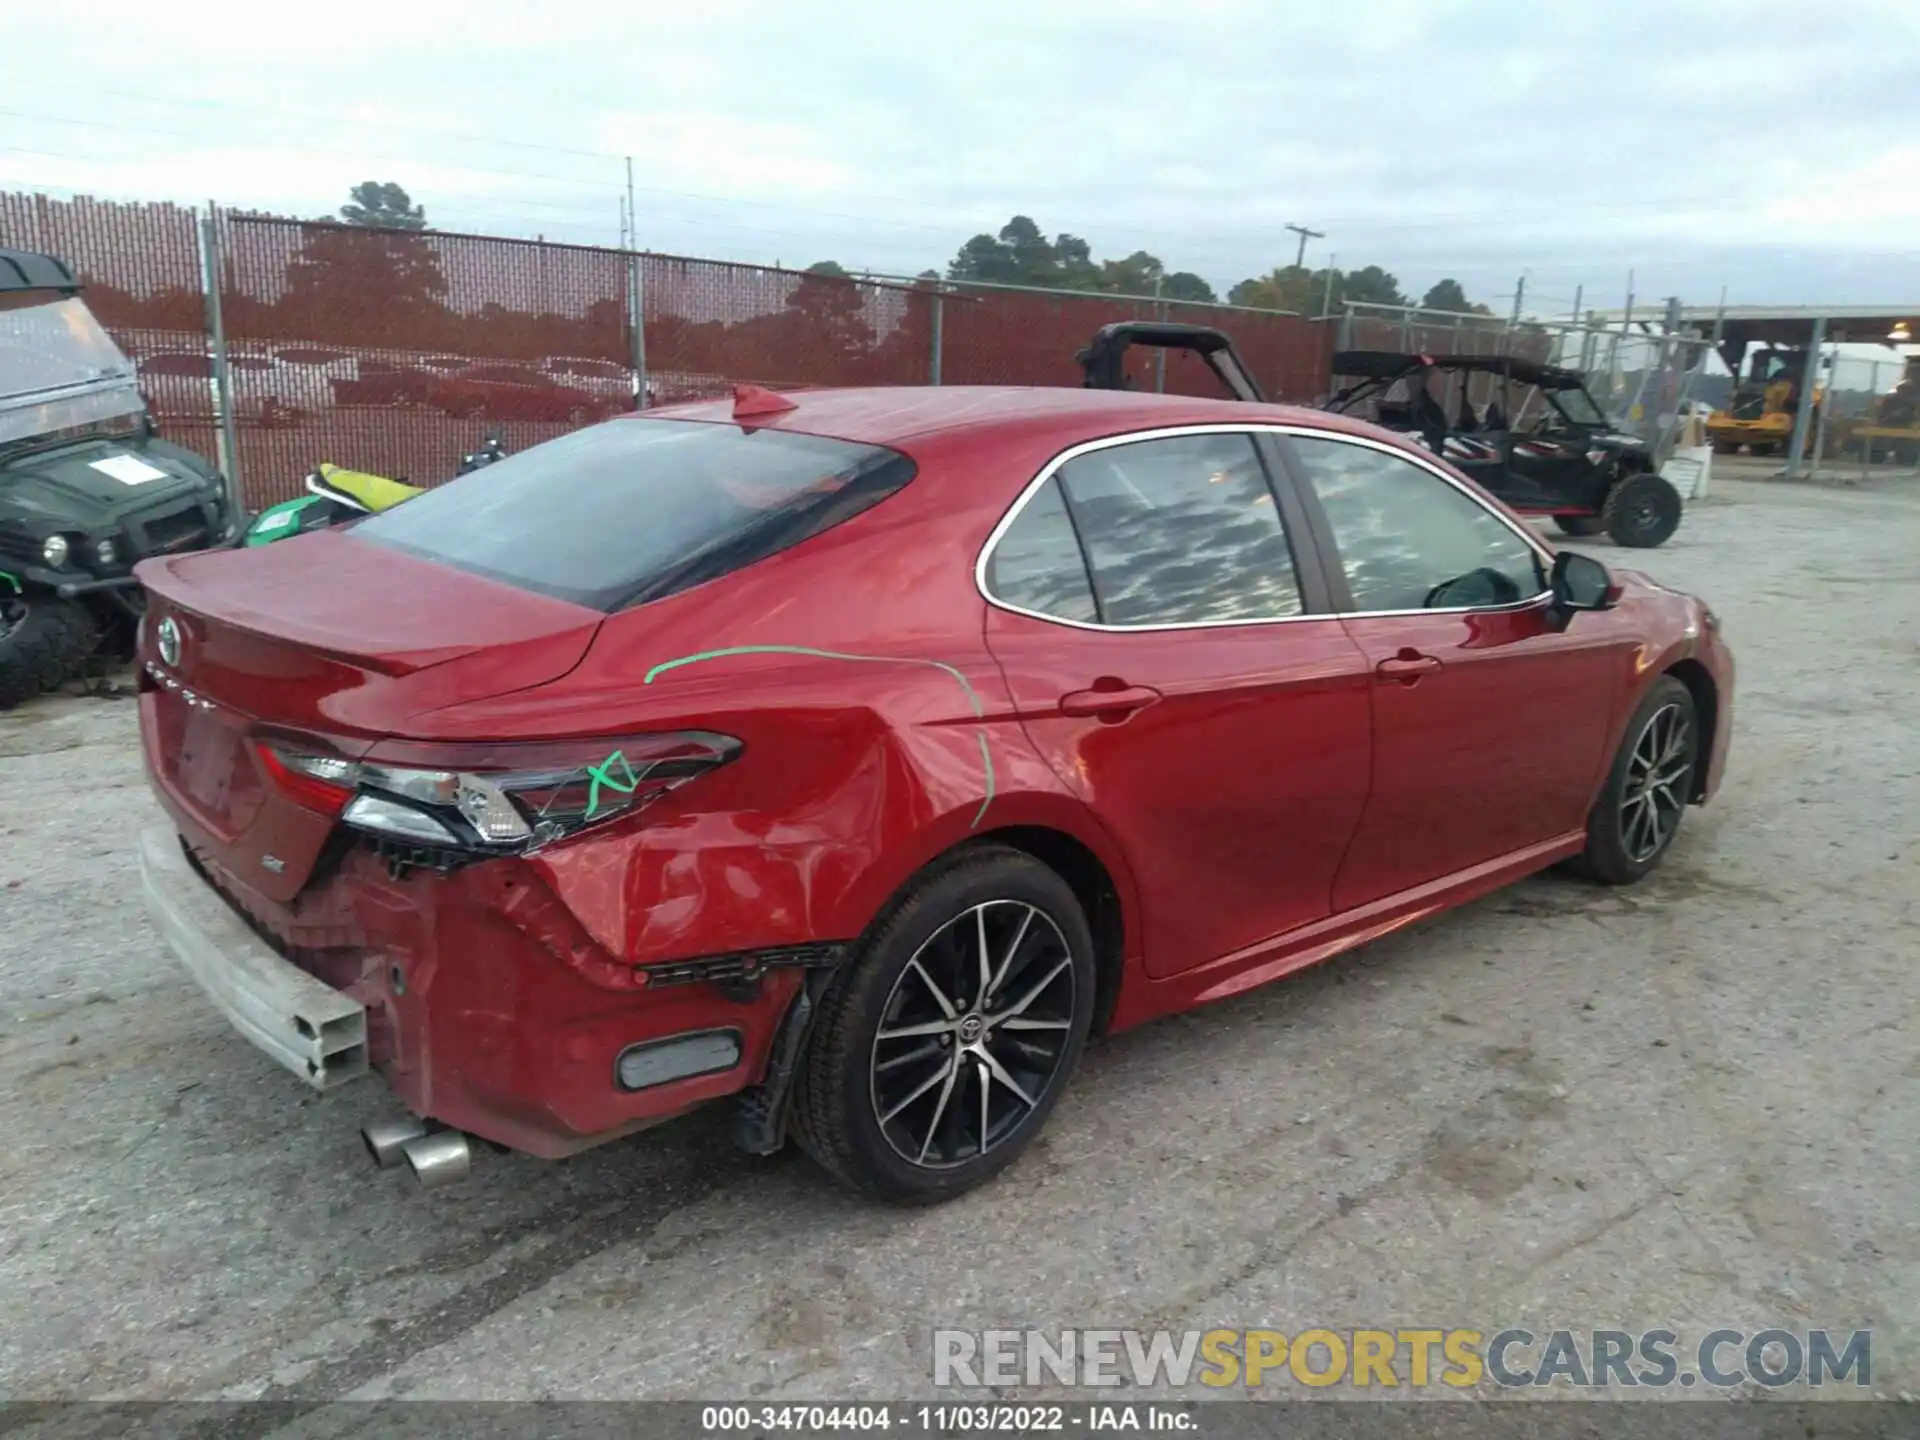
[[1310, 432]]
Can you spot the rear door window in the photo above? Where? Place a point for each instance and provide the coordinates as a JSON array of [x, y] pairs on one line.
[[635, 510], [1182, 531]]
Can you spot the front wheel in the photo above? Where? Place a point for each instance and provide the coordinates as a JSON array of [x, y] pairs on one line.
[[1642, 511], [941, 1048], [1638, 813], [43, 641]]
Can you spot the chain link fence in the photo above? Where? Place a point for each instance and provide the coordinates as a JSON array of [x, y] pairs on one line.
[[142, 264], [1647, 377], [400, 351]]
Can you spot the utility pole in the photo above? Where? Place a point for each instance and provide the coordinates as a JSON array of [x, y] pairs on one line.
[[633, 236], [1326, 295], [1519, 294], [1300, 257], [1159, 351]]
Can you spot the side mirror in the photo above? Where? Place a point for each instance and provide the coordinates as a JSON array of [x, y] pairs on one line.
[[1581, 582]]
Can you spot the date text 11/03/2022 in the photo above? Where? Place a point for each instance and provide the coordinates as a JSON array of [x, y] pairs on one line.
[[946, 1419], [1414, 1358]]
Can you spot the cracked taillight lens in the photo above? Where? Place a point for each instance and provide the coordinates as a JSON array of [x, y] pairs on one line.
[[491, 797]]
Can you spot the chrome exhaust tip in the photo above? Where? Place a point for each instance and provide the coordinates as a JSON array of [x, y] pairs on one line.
[[438, 1159], [387, 1140]]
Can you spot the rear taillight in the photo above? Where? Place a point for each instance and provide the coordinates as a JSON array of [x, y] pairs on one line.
[[316, 782], [495, 798]]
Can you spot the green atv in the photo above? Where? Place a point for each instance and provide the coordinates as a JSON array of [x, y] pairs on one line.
[[87, 487]]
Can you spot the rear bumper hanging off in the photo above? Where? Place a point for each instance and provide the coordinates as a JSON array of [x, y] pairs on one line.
[[305, 1025]]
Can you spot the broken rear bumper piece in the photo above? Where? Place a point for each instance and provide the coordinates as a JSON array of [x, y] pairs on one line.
[[304, 1024], [480, 999]]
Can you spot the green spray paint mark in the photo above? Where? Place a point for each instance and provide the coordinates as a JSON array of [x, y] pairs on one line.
[[986, 764], [966, 686], [602, 774]]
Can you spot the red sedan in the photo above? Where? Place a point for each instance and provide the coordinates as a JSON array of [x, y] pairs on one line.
[[859, 753], [512, 392]]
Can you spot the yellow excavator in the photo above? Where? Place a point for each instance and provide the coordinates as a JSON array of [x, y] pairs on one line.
[[1761, 412], [1891, 427]]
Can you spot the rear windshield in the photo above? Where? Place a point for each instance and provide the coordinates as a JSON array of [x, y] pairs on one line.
[[634, 510]]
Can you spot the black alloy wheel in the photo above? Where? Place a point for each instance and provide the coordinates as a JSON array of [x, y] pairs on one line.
[[1648, 788], [944, 1041]]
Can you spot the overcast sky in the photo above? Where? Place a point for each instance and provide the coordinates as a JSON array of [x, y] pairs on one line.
[[1771, 146]]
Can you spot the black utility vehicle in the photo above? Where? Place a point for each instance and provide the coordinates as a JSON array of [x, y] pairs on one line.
[[87, 488], [1541, 443]]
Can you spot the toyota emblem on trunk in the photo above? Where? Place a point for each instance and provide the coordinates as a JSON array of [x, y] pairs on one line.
[[168, 636]]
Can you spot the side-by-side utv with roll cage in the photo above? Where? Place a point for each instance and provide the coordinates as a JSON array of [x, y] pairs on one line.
[[88, 488], [1541, 443]]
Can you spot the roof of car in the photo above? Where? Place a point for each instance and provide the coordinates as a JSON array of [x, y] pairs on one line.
[[883, 415], [1391, 364]]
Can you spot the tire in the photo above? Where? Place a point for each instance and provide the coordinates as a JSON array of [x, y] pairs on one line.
[[1642, 511], [1579, 526], [1622, 846], [1726, 447], [865, 1100], [43, 640]]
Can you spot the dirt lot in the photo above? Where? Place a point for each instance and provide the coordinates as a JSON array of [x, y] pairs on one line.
[[1693, 1103]]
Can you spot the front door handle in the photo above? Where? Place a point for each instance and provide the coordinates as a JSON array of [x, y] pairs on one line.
[[1407, 667], [1108, 704]]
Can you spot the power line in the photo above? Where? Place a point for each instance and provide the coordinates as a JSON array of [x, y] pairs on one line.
[[443, 132], [1247, 235], [1216, 250]]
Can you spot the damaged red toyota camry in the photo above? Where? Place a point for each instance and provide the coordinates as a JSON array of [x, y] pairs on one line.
[[858, 754]]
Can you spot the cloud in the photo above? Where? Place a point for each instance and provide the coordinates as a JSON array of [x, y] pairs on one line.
[[1758, 145]]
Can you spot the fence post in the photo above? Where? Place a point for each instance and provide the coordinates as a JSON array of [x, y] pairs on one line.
[[1159, 351], [1803, 414], [637, 325], [939, 335], [229, 438], [1820, 427]]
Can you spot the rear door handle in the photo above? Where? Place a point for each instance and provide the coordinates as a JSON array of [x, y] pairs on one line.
[[1108, 704], [1406, 667]]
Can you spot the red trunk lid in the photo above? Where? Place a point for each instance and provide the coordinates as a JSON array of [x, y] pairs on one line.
[[323, 636]]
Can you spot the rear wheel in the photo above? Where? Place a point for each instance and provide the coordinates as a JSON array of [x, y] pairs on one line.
[[1579, 525], [942, 1046], [43, 641], [1638, 813], [1642, 511]]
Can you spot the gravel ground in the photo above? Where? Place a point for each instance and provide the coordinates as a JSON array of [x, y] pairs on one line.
[[1691, 1103]]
